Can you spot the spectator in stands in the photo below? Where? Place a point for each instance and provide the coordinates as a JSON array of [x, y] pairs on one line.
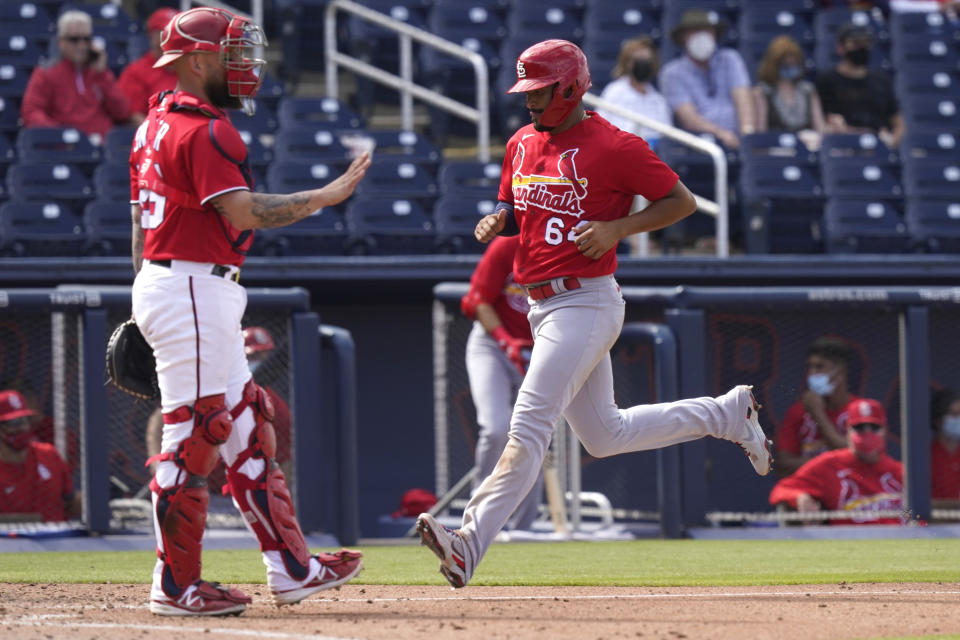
[[708, 88], [35, 483], [818, 422], [855, 98], [859, 477], [78, 91], [783, 99], [140, 80], [632, 88], [945, 449]]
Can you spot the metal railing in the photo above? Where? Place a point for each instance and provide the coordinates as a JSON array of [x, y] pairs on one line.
[[719, 209], [404, 82]]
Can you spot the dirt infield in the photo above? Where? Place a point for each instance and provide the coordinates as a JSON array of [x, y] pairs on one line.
[[101, 611]]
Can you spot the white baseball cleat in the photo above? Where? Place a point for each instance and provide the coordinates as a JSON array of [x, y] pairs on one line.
[[754, 441], [201, 599], [335, 569], [447, 545]]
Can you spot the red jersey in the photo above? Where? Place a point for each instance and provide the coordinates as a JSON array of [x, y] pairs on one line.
[[944, 472], [840, 481], [492, 281], [62, 96], [185, 153], [139, 80], [800, 435], [40, 484], [591, 171]]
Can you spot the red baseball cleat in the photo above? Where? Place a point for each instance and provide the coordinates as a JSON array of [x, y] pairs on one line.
[[202, 599], [334, 570]]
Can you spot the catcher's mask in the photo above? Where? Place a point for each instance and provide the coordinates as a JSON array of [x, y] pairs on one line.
[[554, 62], [235, 38]]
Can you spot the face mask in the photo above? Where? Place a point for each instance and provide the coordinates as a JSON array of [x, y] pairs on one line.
[[859, 57], [790, 72], [820, 384], [18, 440], [701, 46], [951, 427], [641, 70], [867, 442]]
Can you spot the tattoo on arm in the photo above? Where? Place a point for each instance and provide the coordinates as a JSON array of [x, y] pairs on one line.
[[276, 210]]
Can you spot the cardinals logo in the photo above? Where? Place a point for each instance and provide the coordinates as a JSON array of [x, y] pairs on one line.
[[560, 193]]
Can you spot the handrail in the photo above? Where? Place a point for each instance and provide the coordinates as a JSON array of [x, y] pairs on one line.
[[719, 209], [404, 82]]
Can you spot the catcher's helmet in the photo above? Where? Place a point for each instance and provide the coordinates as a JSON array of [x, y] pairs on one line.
[[554, 62], [234, 37]]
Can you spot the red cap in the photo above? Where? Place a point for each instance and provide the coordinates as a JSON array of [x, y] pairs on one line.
[[13, 406], [257, 339], [415, 502], [866, 411], [159, 18]]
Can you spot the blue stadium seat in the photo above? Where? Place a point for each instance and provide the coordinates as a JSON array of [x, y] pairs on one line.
[[864, 226], [614, 21], [782, 204], [43, 181], [866, 146], [776, 144], [459, 20], [110, 21], [928, 25], [57, 144], [936, 51], [767, 21], [922, 113], [8, 155], [408, 144], [317, 112], [388, 226], [929, 144], [117, 143], [288, 176], [20, 48], [928, 80], [545, 20], [9, 115], [399, 178], [13, 80], [456, 216], [258, 154], [315, 143], [934, 224], [931, 177], [107, 225], [860, 178], [42, 228], [379, 46], [28, 18], [111, 181], [270, 90], [602, 52], [264, 120], [323, 232], [475, 179]]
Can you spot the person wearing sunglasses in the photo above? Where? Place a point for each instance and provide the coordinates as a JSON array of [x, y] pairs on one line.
[[859, 478], [77, 90]]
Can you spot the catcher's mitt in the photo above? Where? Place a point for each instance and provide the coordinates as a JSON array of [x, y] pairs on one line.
[[131, 366]]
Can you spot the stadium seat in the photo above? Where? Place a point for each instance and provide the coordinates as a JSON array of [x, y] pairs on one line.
[[613, 21], [57, 144], [317, 112], [117, 143], [929, 144], [28, 18], [20, 48], [315, 143], [42, 228], [377, 45], [258, 154], [776, 144], [544, 20], [8, 155], [43, 181], [456, 21], [13, 80], [9, 115], [407, 144], [107, 225], [866, 146], [934, 225], [478, 180], [925, 114], [398, 178], [860, 178], [110, 20], [928, 25], [456, 216], [931, 81], [323, 232], [263, 122], [931, 177], [288, 176], [388, 226], [936, 51], [863, 226], [111, 181], [782, 204], [767, 21]]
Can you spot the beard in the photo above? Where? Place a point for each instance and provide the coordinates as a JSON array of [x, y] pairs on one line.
[[219, 94], [537, 125]]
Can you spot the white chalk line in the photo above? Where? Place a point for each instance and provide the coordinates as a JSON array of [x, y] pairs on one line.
[[232, 632]]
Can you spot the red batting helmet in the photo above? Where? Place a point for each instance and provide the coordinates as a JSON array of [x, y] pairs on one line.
[[256, 340], [234, 37], [554, 62]]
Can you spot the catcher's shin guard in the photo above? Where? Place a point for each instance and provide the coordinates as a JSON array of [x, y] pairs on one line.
[[212, 424], [181, 515], [265, 501]]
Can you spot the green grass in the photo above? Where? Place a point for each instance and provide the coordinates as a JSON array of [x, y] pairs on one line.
[[639, 563]]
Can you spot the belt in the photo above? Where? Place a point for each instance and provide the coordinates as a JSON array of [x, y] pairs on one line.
[[544, 290], [219, 270]]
